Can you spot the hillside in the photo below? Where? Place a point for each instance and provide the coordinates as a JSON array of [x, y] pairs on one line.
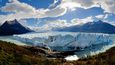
[[11, 54]]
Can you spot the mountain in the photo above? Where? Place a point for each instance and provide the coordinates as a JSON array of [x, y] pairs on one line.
[[91, 27], [13, 27]]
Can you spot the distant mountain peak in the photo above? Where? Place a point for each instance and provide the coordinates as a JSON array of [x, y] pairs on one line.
[[12, 22], [91, 27], [13, 27], [99, 21]]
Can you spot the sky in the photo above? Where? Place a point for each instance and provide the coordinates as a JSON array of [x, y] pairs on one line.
[[46, 14]]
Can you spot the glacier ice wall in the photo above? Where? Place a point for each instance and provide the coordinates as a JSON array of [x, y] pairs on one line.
[[65, 40]]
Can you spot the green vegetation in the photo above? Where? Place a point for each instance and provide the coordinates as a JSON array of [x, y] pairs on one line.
[[11, 54]]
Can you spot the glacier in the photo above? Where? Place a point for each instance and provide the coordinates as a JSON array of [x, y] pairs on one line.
[[65, 41], [82, 44]]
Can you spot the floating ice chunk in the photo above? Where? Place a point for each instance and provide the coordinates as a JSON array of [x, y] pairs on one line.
[[72, 58]]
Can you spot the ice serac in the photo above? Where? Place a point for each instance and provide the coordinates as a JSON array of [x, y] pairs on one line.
[[66, 41], [79, 41]]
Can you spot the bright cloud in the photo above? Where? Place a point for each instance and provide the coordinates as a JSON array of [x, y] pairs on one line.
[[107, 5], [24, 11], [54, 4], [82, 21], [100, 16], [21, 10], [16, 6], [57, 23], [49, 25], [58, 11], [78, 3], [64, 23]]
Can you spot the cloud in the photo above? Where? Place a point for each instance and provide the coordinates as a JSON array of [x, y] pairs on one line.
[[100, 16], [23, 22], [78, 21], [57, 23], [64, 23], [13, 0], [107, 5], [79, 3], [49, 25], [58, 11], [56, 2], [21, 10], [16, 6]]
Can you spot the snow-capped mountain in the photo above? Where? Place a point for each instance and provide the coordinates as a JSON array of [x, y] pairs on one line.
[[65, 40], [91, 27], [13, 27]]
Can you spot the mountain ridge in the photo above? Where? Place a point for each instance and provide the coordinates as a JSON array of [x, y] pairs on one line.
[[91, 27], [13, 27]]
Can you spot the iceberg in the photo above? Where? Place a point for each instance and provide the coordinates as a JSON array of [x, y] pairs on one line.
[[72, 58]]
